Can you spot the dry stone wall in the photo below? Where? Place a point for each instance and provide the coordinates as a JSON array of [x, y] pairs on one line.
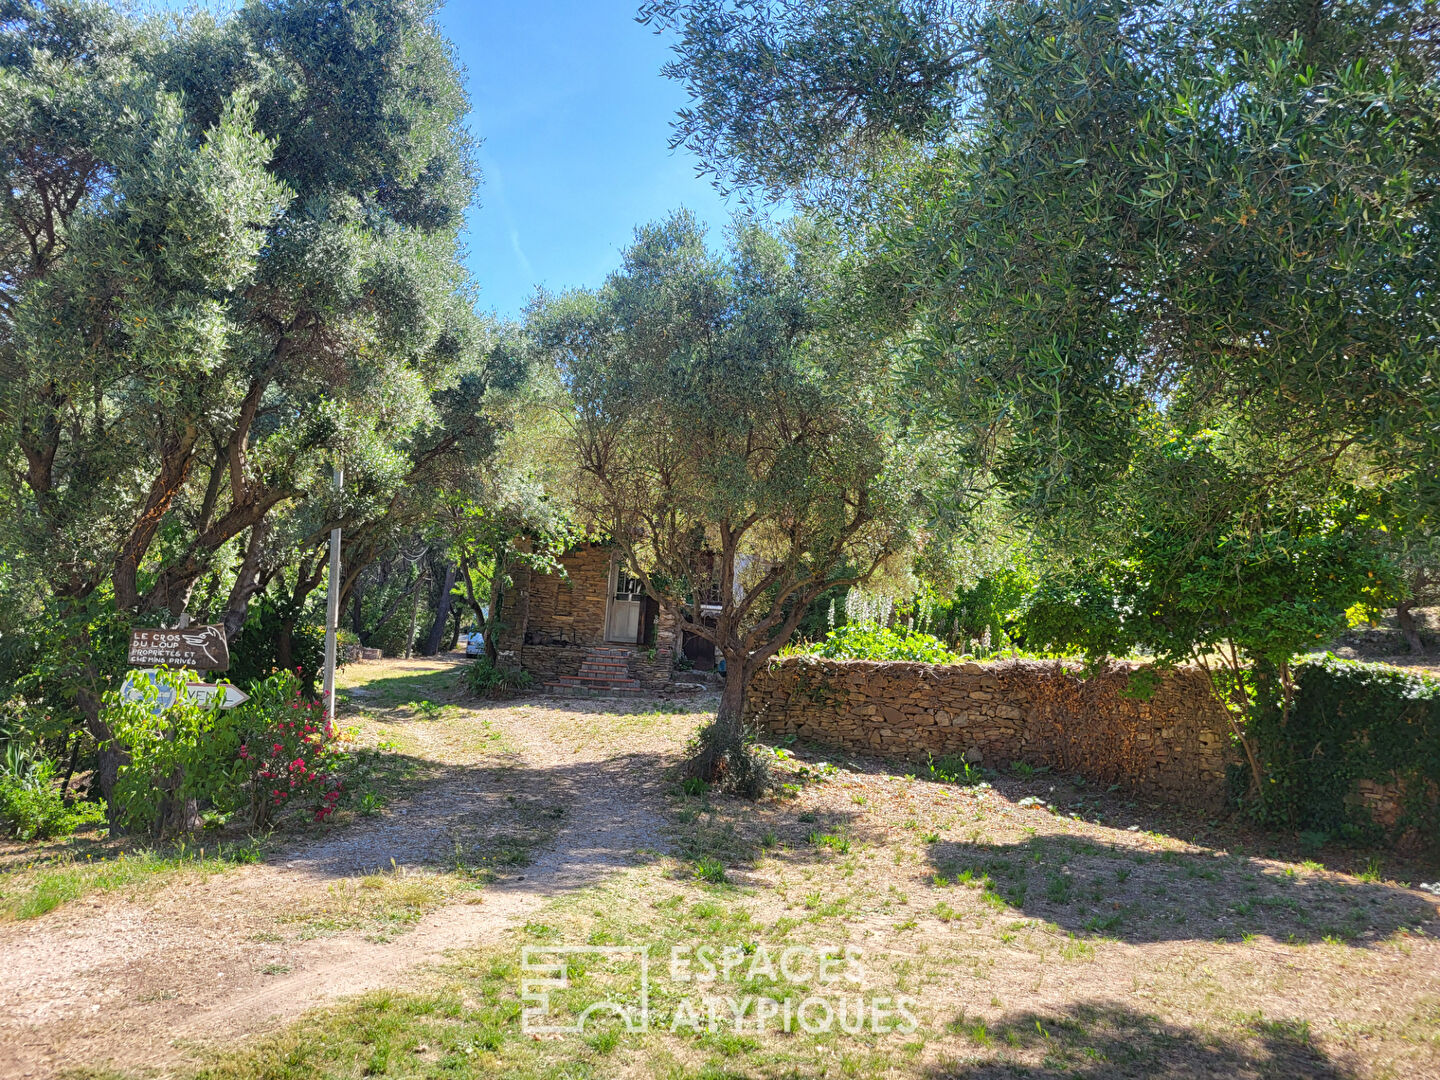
[[549, 608], [1174, 747]]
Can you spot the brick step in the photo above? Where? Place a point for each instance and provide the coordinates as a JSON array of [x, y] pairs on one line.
[[621, 653], [568, 690], [582, 680], [612, 665], [605, 673]]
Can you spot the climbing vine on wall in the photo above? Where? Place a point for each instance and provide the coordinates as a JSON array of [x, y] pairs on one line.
[[1351, 722]]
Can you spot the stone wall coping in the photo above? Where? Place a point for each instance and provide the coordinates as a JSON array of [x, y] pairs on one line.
[[971, 667]]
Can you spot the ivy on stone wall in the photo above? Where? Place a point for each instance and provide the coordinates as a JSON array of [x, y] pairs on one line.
[[1351, 722]]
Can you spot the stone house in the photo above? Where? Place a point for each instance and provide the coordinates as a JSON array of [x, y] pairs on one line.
[[591, 629]]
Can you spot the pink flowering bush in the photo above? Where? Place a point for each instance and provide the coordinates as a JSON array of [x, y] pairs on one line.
[[291, 760]]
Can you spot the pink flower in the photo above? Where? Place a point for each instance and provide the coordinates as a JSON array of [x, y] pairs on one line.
[[277, 748]]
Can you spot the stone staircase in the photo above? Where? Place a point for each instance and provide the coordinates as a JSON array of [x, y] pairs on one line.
[[603, 673]]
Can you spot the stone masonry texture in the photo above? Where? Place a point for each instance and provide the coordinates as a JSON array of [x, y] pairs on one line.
[[1174, 747], [549, 620]]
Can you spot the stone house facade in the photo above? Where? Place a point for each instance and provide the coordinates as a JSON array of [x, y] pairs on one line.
[[591, 628]]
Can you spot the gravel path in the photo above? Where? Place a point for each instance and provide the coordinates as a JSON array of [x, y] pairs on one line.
[[141, 981]]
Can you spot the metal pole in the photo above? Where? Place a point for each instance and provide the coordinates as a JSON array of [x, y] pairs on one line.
[[332, 615]]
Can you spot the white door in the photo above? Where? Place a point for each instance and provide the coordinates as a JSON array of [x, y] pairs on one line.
[[627, 604]]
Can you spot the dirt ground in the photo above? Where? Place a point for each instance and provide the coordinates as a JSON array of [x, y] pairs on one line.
[[130, 979], [1046, 928]]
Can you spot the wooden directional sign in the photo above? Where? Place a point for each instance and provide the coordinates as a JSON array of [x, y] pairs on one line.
[[203, 692], [202, 648], [207, 692]]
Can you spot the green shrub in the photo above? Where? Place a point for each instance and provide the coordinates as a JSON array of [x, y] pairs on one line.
[[1349, 721], [178, 752], [486, 680], [289, 758], [32, 806], [865, 642], [392, 637], [347, 647], [988, 611], [951, 769], [255, 652], [269, 754]]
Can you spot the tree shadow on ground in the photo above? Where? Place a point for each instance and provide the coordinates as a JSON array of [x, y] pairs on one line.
[[1140, 895], [584, 819], [1074, 798], [1102, 1040]]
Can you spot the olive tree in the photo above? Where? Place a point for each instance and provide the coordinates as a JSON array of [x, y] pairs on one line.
[[731, 440], [228, 252], [1084, 211], [1126, 240]]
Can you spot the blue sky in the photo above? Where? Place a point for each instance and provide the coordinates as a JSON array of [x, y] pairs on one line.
[[575, 117]]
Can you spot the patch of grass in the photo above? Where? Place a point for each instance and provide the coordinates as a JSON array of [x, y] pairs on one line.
[[605, 1042], [1057, 888], [977, 1031], [383, 903], [1097, 924], [711, 871], [1294, 1031], [834, 841], [32, 892]]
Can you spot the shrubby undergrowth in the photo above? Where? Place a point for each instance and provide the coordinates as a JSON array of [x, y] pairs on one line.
[[862, 641], [266, 756], [33, 805], [859, 641], [487, 680], [1348, 722]]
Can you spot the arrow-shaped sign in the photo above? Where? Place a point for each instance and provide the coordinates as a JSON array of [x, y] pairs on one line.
[[203, 692]]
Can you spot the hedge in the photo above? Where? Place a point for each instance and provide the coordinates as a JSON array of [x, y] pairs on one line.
[[1351, 721]]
